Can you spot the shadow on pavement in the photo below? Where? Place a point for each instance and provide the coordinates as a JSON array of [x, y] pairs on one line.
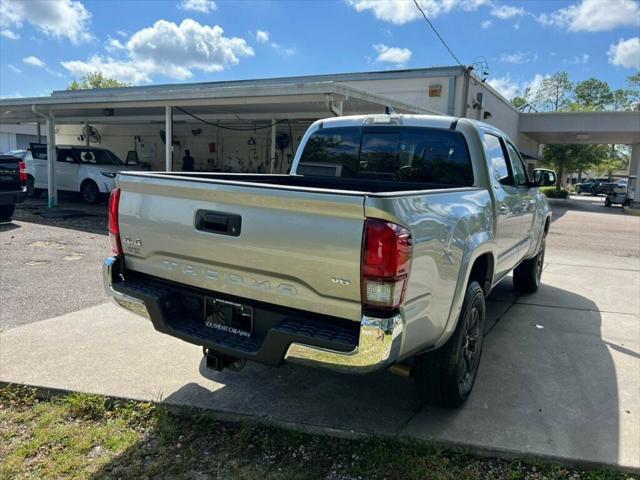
[[547, 386], [8, 226], [71, 213]]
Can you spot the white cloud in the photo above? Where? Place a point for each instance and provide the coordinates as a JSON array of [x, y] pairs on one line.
[[262, 36], [509, 88], [518, 57], [170, 50], [287, 51], [594, 16], [113, 45], [124, 71], [202, 6], [14, 69], [60, 19], [395, 55], [122, 33], [625, 53], [578, 60], [504, 12], [10, 34], [403, 11], [486, 24], [505, 86], [33, 61]]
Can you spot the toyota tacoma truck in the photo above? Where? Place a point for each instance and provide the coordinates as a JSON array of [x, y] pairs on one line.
[[376, 251], [13, 187]]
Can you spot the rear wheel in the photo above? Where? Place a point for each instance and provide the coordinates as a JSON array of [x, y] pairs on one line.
[[526, 276], [6, 212], [90, 192], [32, 191], [607, 202], [446, 376]]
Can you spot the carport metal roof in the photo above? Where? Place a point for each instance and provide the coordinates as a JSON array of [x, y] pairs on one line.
[[234, 102]]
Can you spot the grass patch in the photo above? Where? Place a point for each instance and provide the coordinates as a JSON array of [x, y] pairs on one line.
[[88, 436]]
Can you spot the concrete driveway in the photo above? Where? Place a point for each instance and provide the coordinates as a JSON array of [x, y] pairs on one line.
[[559, 378]]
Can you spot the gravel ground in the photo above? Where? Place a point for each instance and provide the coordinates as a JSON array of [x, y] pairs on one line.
[[51, 266]]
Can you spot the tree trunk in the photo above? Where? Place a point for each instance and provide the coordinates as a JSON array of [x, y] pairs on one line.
[[559, 179]]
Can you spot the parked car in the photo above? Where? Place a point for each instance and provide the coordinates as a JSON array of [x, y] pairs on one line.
[[91, 171], [378, 249], [596, 186], [12, 185]]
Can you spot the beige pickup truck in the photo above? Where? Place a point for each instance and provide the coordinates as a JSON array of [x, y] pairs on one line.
[[378, 249]]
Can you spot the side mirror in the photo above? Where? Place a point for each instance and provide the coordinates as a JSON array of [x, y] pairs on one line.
[[132, 158], [545, 178]]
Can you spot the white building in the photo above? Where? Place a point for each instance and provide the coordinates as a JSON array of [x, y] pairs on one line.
[[234, 125]]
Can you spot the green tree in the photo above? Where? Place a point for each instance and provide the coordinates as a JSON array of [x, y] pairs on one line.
[[95, 80], [565, 159], [555, 94], [593, 94], [633, 91]]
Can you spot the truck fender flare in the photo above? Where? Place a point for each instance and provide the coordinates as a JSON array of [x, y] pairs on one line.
[[478, 244]]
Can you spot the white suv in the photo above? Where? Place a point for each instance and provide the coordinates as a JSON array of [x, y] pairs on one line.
[[91, 171]]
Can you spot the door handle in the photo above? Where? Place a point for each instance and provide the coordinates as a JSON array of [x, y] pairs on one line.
[[218, 222]]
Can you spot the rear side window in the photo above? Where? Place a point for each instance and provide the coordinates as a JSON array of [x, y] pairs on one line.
[[498, 160], [407, 154]]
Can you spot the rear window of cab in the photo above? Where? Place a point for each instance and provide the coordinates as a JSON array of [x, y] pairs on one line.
[[405, 154]]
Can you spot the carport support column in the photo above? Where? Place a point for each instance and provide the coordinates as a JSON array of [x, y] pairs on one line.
[[168, 155], [634, 170], [51, 162], [272, 153], [39, 133]]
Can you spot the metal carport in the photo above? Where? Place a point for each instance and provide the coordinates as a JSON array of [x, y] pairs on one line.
[[238, 102]]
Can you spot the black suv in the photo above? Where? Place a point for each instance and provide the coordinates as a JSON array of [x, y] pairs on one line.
[[594, 186]]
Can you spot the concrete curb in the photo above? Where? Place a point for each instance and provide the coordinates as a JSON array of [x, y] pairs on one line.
[[47, 393], [631, 211]]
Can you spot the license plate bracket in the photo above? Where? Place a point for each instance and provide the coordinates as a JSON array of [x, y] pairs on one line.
[[228, 317]]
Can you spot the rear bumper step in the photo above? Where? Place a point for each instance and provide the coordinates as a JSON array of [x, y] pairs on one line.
[[285, 336]]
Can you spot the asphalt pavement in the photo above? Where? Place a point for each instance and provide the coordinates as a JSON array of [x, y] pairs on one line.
[[50, 266]]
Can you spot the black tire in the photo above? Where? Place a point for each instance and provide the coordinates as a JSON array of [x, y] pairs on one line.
[[445, 377], [32, 191], [607, 202], [89, 192], [6, 212], [526, 276], [578, 191]]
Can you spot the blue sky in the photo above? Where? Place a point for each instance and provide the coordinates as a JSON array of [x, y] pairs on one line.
[[45, 44]]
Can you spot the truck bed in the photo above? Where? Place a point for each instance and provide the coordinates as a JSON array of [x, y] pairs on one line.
[[358, 186]]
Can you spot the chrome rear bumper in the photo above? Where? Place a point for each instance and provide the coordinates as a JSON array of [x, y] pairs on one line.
[[378, 345], [378, 348], [110, 270]]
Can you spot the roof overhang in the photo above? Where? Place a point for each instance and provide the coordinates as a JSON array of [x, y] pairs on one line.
[[237, 103], [582, 127]]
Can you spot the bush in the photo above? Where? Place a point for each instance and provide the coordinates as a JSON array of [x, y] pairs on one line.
[[551, 192]]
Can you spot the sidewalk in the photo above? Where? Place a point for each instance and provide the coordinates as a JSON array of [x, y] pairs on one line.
[[559, 376]]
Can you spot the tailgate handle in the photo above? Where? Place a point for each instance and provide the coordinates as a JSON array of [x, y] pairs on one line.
[[218, 222]]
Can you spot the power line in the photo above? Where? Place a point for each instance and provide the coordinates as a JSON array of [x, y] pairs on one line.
[[436, 32]]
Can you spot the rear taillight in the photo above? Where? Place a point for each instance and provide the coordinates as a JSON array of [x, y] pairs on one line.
[[22, 169], [114, 227], [386, 261]]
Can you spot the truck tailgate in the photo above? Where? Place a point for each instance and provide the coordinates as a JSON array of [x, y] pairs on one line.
[[284, 246]]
